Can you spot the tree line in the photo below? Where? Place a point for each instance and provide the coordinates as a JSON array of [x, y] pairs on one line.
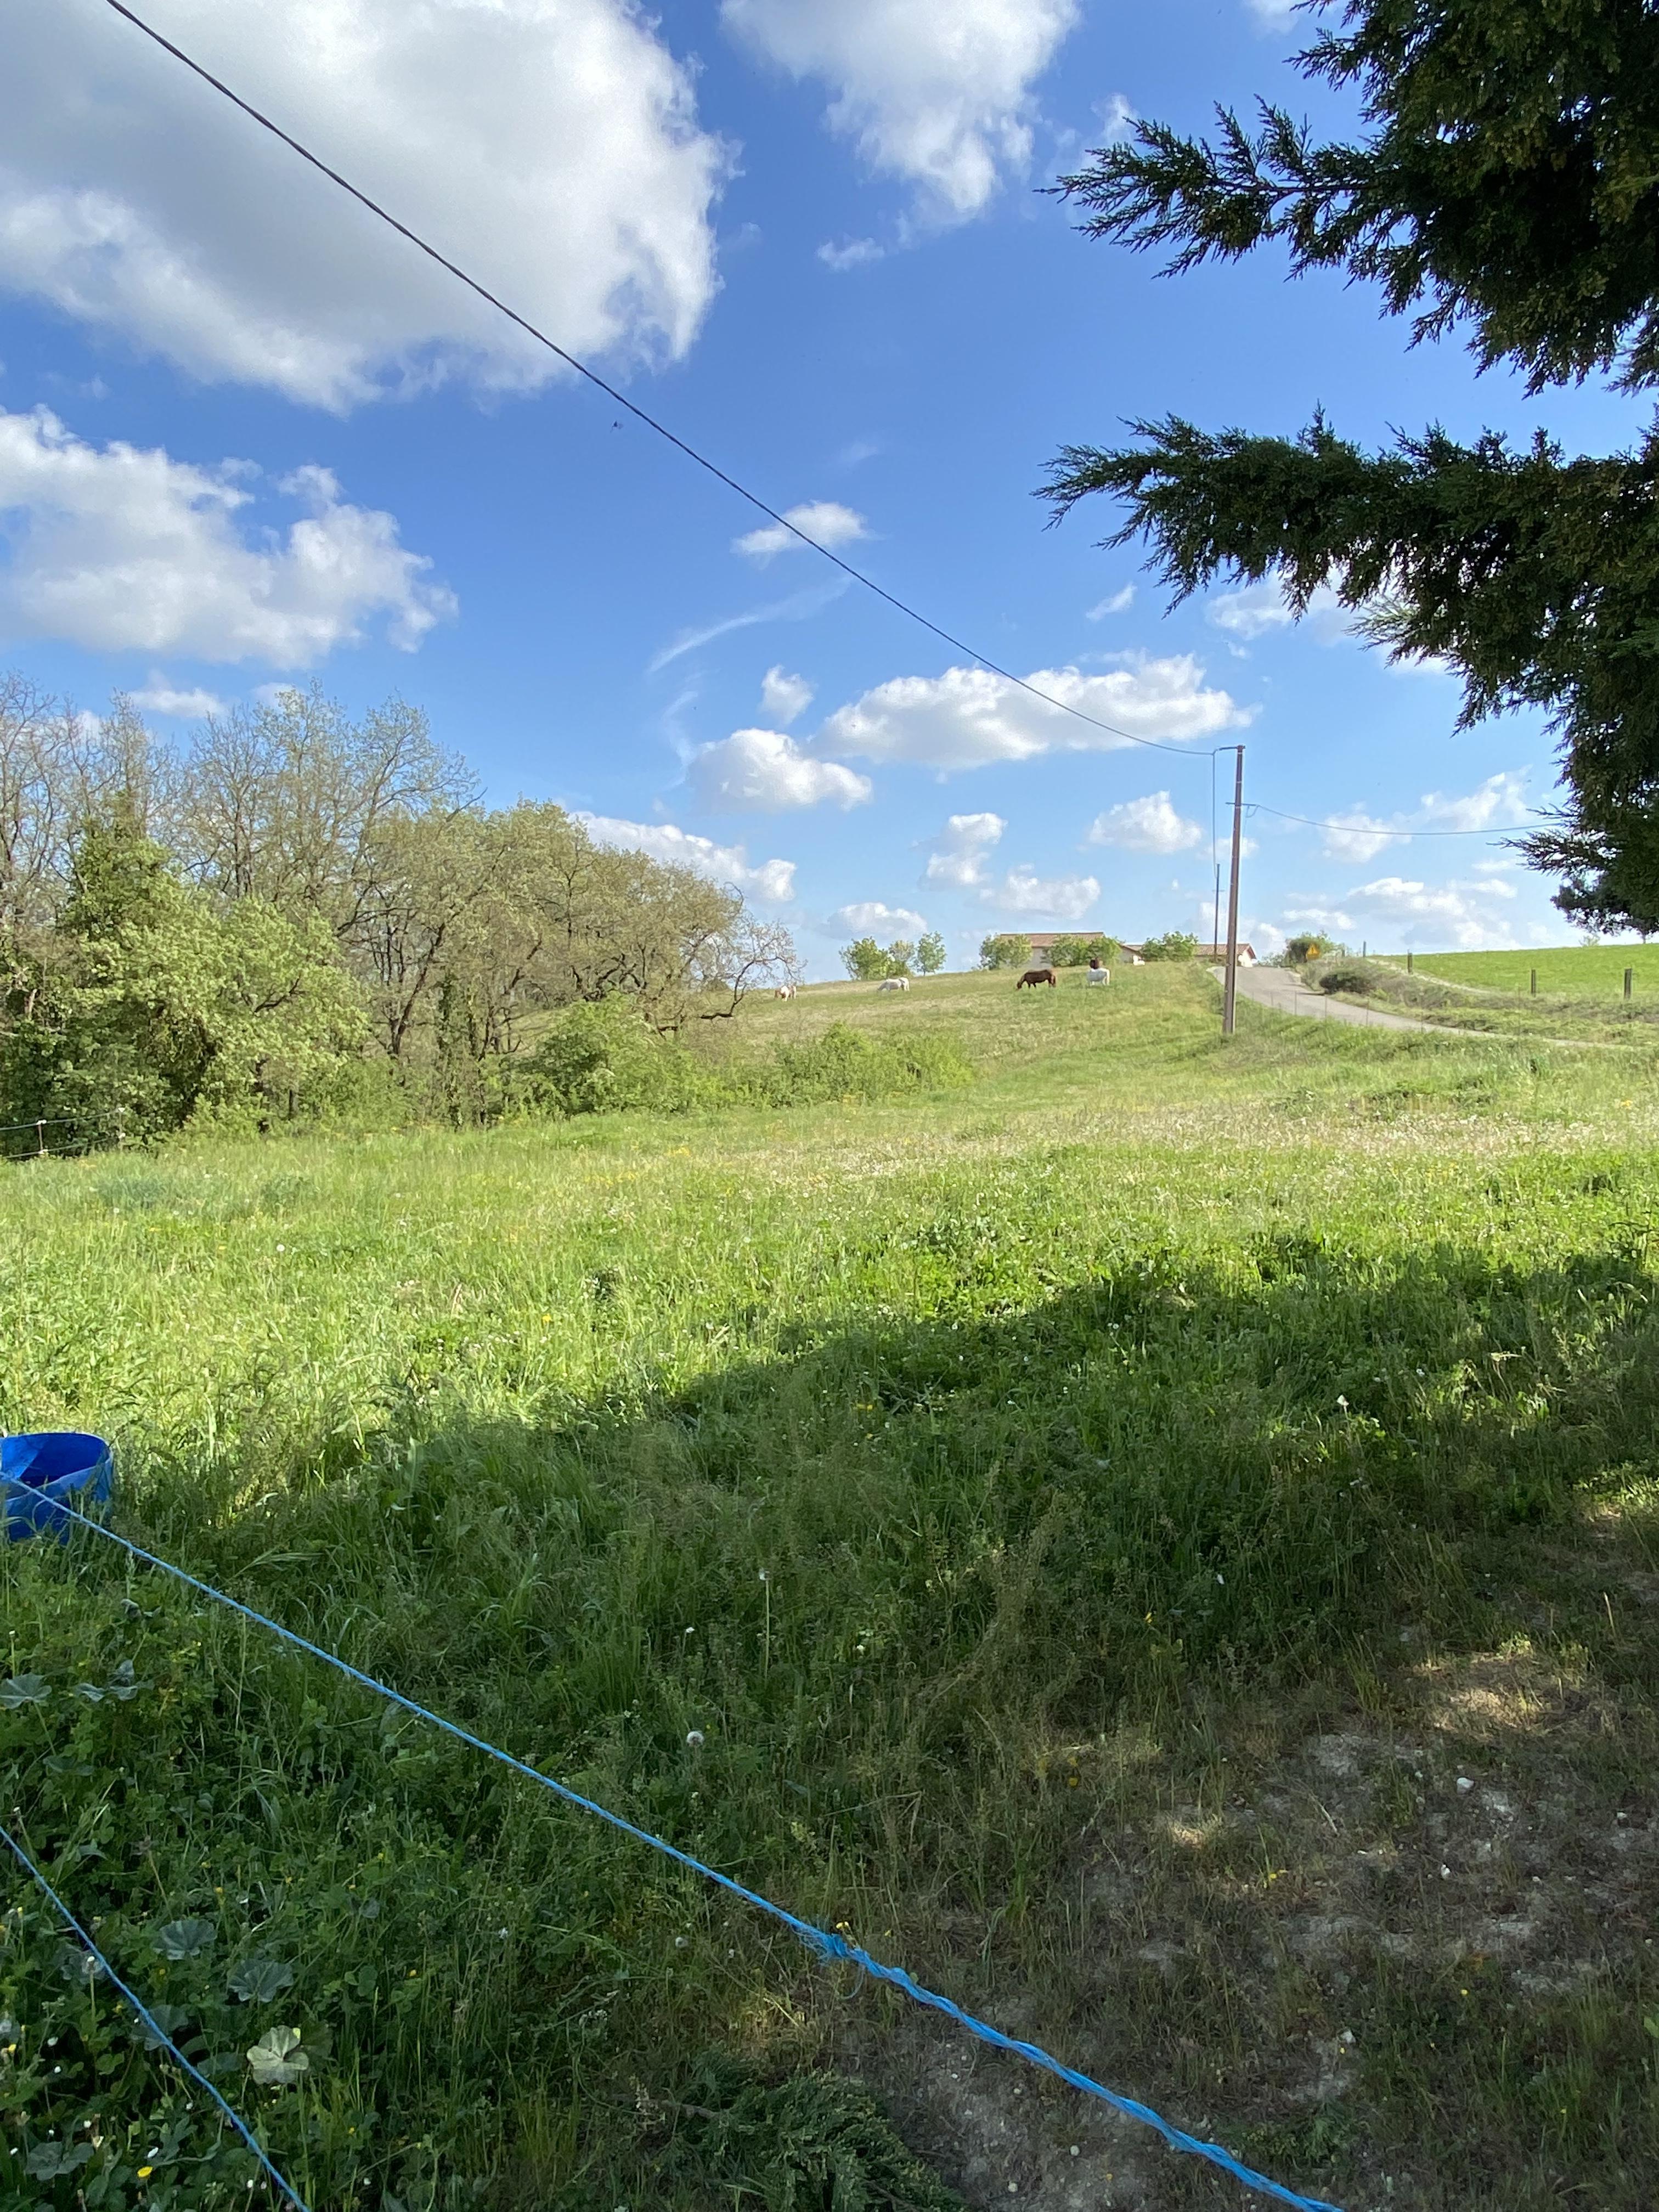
[[299, 912]]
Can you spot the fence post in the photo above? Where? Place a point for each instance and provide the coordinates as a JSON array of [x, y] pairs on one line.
[[1630, 980], [40, 1139], [1534, 983], [1409, 964]]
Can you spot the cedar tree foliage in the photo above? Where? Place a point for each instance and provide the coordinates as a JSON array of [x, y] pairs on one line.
[[1505, 181]]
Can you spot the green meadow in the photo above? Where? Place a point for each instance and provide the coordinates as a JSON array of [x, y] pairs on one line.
[[1576, 971], [1157, 1535]]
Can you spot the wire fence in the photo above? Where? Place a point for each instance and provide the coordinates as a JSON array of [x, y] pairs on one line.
[[60, 1136], [826, 1944]]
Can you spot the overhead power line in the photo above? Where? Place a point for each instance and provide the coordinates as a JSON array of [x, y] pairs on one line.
[[1374, 828], [639, 414]]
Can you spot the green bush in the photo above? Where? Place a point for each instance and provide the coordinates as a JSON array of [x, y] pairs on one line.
[[1174, 944], [845, 1063], [602, 1057]]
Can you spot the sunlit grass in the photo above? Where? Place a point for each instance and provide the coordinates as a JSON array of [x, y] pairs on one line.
[[991, 1479]]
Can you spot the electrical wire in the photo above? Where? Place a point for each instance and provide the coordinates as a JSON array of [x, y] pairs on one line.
[[639, 414], [1374, 828]]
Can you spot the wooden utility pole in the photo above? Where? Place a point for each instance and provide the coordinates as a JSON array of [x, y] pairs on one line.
[[1229, 980]]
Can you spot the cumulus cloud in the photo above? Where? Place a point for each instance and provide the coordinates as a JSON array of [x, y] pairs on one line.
[[1500, 803], [960, 850], [1465, 914], [960, 857], [1047, 898], [968, 717], [939, 95], [1273, 14], [1146, 825], [875, 918], [562, 132], [784, 697], [771, 880], [763, 771], [825, 521], [118, 550], [159, 697]]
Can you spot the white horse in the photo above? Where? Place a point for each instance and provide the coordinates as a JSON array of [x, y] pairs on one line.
[[896, 983], [784, 991]]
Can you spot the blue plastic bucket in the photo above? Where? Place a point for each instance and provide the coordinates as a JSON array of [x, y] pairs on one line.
[[60, 1466]]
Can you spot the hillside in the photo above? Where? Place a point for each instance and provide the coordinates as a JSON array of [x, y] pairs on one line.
[[1159, 1540]]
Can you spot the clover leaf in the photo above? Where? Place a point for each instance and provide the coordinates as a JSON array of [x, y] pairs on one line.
[[259, 1979], [184, 1939], [277, 2058]]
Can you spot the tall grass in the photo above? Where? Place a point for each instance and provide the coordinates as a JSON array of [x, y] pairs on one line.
[[902, 1506]]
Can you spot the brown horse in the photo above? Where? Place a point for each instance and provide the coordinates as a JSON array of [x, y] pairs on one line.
[[1036, 975]]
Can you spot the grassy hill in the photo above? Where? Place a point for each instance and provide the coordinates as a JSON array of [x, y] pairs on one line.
[[1579, 971], [1160, 1539]]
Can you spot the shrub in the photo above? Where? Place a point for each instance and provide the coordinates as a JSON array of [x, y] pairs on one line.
[[601, 1057], [1174, 944], [864, 960], [845, 1063], [1344, 976]]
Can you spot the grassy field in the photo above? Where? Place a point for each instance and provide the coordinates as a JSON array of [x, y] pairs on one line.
[[1161, 1539], [1578, 971]]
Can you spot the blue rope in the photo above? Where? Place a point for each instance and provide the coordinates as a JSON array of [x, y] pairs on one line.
[[154, 2025], [823, 1942]]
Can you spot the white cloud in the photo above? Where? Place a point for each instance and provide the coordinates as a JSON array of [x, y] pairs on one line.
[[1500, 803], [960, 849], [1273, 14], [1251, 611], [118, 550], [1146, 825], [939, 94], [850, 253], [784, 697], [763, 771], [968, 717], [771, 880], [1116, 602], [160, 697], [825, 521], [1051, 898], [812, 601], [560, 133], [1117, 118], [875, 918], [1463, 913]]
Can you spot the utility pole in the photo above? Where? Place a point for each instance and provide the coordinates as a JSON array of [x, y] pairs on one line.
[[1229, 980]]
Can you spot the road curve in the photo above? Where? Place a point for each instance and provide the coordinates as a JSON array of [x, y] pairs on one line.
[[1285, 992]]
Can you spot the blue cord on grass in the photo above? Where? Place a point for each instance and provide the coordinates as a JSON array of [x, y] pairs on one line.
[[821, 1940], [155, 2025]]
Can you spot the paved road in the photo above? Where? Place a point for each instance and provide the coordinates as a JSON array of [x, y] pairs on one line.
[[1284, 990]]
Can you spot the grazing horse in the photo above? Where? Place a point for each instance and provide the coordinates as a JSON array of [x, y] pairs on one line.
[[784, 991], [896, 983], [1036, 975]]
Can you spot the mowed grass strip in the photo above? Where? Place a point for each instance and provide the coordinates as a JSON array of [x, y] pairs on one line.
[[1161, 1540]]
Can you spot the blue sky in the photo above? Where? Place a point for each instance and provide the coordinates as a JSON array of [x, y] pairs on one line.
[[247, 438]]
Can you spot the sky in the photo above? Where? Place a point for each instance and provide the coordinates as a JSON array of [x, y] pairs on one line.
[[249, 436]]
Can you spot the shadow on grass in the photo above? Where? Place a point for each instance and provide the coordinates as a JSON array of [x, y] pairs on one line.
[[869, 1618]]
